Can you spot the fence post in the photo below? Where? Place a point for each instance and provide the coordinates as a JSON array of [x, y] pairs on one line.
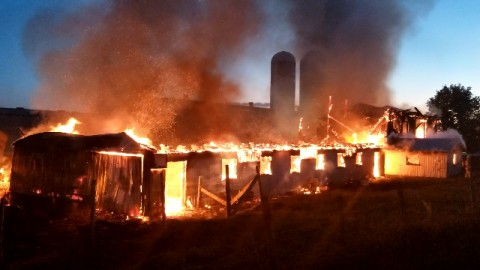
[[227, 191]]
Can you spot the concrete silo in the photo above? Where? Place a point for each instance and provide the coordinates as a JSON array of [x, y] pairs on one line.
[[282, 85], [282, 92]]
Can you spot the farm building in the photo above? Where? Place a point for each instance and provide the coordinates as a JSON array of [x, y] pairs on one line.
[[282, 171], [59, 166], [430, 157], [131, 178]]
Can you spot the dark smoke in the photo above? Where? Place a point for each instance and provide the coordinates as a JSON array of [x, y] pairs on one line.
[[122, 65], [358, 41], [138, 63]]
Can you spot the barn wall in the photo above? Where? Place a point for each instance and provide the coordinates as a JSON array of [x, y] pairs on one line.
[[430, 164], [50, 173], [119, 179]]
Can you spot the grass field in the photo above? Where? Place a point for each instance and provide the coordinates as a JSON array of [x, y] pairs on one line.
[[399, 224]]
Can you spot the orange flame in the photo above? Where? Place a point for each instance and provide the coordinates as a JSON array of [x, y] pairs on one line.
[[143, 140], [69, 127]]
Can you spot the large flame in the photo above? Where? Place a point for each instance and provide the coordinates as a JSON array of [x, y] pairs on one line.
[[4, 178], [68, 127]]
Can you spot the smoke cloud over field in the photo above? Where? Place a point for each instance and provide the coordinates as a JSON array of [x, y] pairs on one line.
[[136, 63]]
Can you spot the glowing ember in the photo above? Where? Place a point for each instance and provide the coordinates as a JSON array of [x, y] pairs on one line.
[[142, 140], [69, 127]]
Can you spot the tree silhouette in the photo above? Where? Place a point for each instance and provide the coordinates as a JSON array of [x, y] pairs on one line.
[[458, 109]]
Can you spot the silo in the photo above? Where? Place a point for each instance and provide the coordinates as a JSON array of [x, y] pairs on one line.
[[282, 85], [282, 94], [311, 80]]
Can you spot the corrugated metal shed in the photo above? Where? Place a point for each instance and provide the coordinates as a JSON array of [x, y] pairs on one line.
[[60, 166], [431, 157]]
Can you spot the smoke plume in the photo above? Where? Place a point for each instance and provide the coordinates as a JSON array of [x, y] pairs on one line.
[[140, 63], [357, 42]]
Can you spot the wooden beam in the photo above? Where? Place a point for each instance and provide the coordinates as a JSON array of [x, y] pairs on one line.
[[245, 189], [213, 196]]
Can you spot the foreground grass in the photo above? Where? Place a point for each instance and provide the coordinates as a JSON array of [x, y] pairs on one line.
[[395, 225]]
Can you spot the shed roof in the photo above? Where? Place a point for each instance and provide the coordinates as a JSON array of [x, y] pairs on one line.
[[74, 142], [428, 144]]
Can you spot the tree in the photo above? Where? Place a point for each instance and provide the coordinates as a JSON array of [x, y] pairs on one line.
[[458, 109]]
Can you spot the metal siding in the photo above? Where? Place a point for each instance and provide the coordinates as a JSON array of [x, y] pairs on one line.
[[432, 164]]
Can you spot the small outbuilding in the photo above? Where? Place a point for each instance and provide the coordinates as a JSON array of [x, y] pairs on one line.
[[54, 167], [427, 157]]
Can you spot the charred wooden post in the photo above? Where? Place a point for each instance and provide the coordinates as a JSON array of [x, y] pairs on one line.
[[147, 182], [199, 192], [227, 191]]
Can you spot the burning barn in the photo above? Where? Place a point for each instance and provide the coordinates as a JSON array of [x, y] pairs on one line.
[[57, 166], [197, 178], [425, 157]]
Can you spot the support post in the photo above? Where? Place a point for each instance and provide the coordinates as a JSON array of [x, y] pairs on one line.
[[199, 192], [227, 191]]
